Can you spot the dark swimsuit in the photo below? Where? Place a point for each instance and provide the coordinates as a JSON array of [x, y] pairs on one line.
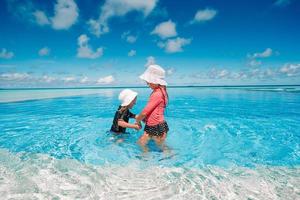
[[125, 115]]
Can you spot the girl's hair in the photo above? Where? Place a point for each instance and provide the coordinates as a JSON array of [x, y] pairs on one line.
[[165, 88]]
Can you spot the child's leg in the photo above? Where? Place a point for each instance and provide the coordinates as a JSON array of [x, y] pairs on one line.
[[143, 141], [159, 140]]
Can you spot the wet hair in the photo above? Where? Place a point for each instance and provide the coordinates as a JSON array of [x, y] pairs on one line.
[[165, 88]]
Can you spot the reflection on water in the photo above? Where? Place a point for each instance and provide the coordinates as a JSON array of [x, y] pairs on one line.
[[23, 95]]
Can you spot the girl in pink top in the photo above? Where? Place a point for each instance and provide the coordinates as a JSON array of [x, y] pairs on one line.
[[156, 127]]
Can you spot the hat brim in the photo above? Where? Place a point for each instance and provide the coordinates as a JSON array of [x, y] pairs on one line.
[[130, 99], [146, 77]]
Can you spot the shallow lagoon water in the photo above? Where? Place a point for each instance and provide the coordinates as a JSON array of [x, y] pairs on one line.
[[224, 143]]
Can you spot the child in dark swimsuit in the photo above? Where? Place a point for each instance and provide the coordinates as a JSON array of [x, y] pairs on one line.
[[122, 115]]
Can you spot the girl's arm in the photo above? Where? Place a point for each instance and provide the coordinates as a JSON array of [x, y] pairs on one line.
[[154, 101], [140, 117], [124, 124]]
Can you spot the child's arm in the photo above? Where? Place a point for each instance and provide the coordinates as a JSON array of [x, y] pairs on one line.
[[140, 117], [154, 101], [131, 115], [124, 124], [138, 122]]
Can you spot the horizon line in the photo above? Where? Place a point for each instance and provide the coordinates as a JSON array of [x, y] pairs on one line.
[[171, 86]]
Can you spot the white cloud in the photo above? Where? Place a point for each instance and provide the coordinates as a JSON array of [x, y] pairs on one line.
[[66, 14], [174, 45], [261, 74], [254, 63], [106, 80], [41, 17], [25, 79], [150, 61], [290, 69], [220, 73], [282, 2], [44, 51], [254, 73], [269, 73], [4, 53], [48, 79], [113, 8], [165, 29], [170, 71], [85, 51], [194, 77], [226, 74], [129, 38], [69, 79], [22, 10], [97, 28], [14, 76], [132, 53], [238, 75], [204, 15], [265, 54], [84, 79]]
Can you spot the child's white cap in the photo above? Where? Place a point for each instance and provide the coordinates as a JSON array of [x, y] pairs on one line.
[[154, 74], [126, 96]]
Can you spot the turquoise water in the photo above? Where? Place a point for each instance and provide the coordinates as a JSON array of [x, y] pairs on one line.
[[224, 143]]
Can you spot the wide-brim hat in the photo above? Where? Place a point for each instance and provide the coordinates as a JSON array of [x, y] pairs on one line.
[[154, 74], [126, 96]]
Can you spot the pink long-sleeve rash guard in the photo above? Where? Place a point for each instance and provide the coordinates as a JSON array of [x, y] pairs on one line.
[[155, 107]]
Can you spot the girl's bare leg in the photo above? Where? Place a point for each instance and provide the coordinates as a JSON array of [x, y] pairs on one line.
[[143, 141], [159, 140]]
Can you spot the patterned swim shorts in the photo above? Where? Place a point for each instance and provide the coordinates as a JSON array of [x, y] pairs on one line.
[[157, 130]]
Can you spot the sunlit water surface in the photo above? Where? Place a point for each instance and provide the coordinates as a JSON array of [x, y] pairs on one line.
[[223, 143]]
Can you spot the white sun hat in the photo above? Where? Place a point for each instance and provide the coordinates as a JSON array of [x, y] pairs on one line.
[[154, 74], [126, 96]]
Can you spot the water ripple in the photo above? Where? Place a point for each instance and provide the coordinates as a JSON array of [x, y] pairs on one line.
[[40, 176]]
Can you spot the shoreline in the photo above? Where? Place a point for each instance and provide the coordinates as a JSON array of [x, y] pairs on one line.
[[71, 179]]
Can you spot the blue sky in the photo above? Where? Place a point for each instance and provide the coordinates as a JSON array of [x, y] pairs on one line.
[[66, 43]]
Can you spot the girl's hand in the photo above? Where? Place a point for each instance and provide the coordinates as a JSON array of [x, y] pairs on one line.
[[139, 124], [137, 127], [140, 117]]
